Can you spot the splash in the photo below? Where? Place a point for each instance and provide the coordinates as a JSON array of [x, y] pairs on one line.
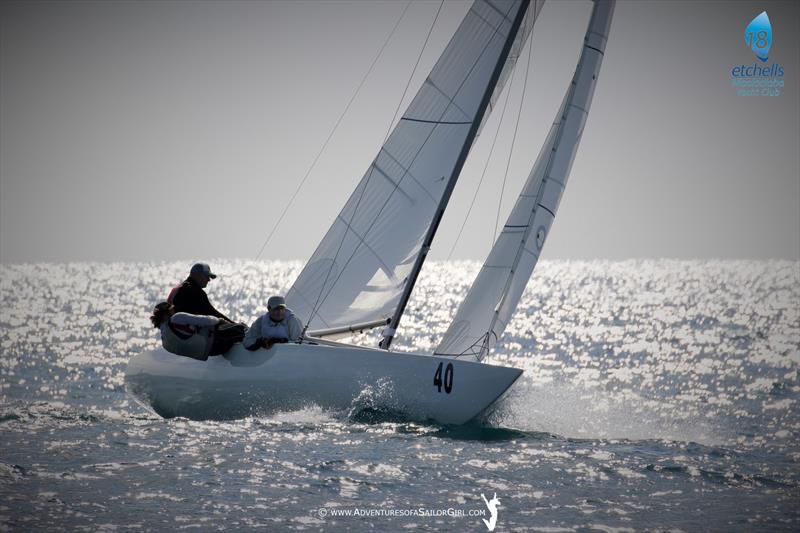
[[588, 413], [376, 404], [312, 415]]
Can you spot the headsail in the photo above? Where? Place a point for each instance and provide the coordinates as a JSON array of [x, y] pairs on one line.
[[493, 297], [361, 268]]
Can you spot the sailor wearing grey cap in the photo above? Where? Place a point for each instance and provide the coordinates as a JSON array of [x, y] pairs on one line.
[[189, 296], [276, 326], [202, 268]]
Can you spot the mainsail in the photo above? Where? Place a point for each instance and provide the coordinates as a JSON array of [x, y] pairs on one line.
[[366, 261], [495, 293]]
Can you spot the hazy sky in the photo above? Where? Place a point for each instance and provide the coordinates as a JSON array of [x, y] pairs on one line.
[[179, 130]]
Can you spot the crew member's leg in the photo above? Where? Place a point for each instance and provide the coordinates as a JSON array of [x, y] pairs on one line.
[[225, 336]]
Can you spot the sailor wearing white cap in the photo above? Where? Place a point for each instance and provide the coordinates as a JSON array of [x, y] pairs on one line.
[[276, 326]]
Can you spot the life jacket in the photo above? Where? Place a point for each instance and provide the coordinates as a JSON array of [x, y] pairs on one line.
[[178, 340], [172, 292]]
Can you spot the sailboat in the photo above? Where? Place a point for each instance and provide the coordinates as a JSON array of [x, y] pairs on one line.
[[364, 270]]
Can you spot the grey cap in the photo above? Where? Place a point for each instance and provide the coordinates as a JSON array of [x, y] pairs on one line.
[[276, 301], [202, 268]]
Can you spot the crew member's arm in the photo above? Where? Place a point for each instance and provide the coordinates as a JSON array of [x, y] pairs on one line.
[[252, 340], [295, 327], [181, 298], [266, 340], [207, 308]]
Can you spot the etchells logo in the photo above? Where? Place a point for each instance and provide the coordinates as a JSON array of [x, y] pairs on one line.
[[759, 78], [758, 36]]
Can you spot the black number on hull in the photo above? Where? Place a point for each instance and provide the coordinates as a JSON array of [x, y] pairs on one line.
[[437, 378], [448, 378]]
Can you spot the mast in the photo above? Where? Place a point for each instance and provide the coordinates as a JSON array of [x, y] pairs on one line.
[[391, 329]]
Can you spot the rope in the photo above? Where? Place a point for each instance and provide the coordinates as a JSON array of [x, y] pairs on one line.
[[319, 303], [330, 135], [513, 140], [485, 167]]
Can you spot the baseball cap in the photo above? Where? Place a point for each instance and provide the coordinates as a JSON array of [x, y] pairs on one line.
[[276, 301], [202, 268]]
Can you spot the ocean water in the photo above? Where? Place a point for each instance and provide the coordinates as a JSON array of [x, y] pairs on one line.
[[657, 395]]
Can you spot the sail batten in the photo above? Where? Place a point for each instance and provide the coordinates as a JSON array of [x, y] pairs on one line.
[[495, 293], [365, 262], [436, 121]]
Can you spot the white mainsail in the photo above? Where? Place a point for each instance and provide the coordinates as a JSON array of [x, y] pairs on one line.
[[495, 293], [362, 266]]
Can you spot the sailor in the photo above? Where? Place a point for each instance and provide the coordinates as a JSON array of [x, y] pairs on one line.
[[278, 325], [195, 336], [189, 296]]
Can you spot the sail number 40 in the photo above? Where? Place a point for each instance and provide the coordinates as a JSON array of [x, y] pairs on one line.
[[448, 378]]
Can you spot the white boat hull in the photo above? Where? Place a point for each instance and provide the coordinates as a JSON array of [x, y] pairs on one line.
[[293, 376]]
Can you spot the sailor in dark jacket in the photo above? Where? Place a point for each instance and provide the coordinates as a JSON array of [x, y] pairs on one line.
[[189, 296]]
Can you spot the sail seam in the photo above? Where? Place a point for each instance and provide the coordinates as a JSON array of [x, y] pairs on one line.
[[390, 180], [317, 314], [491, 6], [368, 247], [485, 21], [408, 173], [430, 82], [603, 37], [579, 108]]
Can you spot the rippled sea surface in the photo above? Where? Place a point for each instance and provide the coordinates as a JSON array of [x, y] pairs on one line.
[[657, 395]]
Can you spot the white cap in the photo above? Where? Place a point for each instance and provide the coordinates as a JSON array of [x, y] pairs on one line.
[[276, 301]]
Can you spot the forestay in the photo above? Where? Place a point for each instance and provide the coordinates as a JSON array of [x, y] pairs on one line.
[[360, 269], [493, 297]]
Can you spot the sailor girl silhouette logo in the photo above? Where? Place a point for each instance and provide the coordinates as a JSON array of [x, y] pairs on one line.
[[758, 36], [492, 505]]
